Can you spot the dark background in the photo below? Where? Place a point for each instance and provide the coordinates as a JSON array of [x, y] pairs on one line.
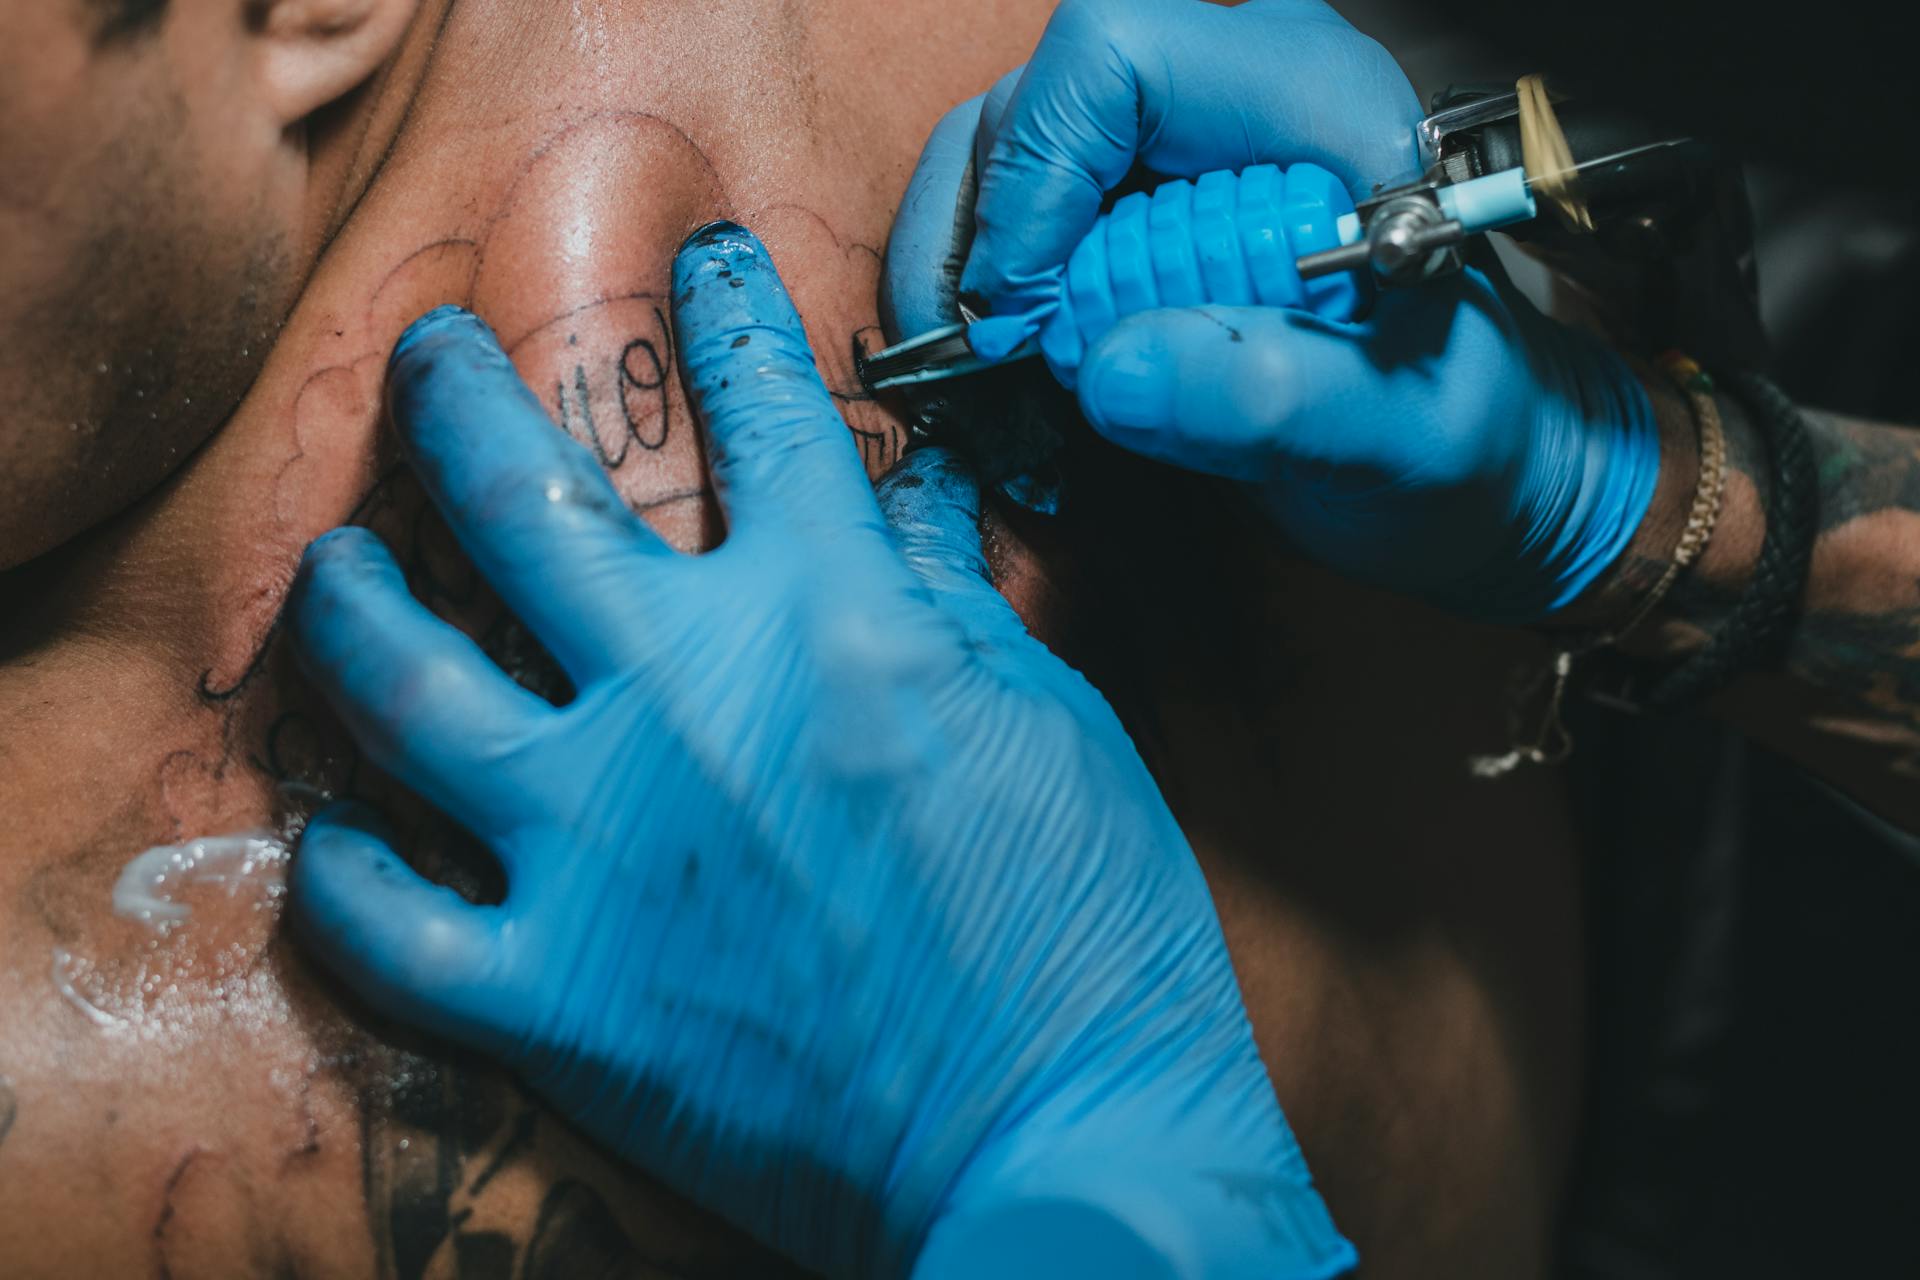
[[1753, 1106]]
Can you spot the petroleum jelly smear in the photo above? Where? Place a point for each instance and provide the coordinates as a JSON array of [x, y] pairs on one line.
[[147, 887]]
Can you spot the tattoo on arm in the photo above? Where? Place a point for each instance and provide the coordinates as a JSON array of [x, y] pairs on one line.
[[1859, 635], [1865, 468], [1856, 646]]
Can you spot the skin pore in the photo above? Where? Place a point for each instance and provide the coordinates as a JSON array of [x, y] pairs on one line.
[[210, 1105]]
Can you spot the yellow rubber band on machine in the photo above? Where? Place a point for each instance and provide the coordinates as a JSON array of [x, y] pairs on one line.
[[1548, 159]]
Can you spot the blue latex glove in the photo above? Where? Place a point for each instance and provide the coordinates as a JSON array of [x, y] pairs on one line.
[[833, 899], [1181, 87], [1452, 444]]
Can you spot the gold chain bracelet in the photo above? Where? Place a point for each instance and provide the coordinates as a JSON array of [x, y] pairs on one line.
[[1553, 743]]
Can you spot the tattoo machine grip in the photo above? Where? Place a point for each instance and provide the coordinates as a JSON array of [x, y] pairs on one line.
[[1229, 239]]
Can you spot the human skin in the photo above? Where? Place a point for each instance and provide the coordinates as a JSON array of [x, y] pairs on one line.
[[164, 191], [209, 1105]]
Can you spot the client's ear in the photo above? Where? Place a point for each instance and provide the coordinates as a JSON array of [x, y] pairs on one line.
[[315, 51]]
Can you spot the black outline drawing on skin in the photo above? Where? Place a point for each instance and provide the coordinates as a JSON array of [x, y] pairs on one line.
[[509, 201], [840, 366], [572, 407], [165, 1217], [208, 693], [9, 1108], [662, 377], [436, 246], [380, 492], [878, 449], [281, 760]]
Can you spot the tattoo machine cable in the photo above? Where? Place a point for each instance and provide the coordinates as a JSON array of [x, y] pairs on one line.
[[1294, 238]]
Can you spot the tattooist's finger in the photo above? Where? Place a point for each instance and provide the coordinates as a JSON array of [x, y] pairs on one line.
[[420, 697], [931, 232], [1241, 392], [931, 502], [1071, 131], [781, 456], [1113, 83], [529, 504], [1220, 390], [415, 950]]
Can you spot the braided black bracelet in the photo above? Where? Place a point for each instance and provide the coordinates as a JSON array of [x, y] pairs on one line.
[[1756, 633]]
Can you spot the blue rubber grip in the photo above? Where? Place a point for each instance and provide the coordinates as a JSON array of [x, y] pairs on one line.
[[1224, 238]]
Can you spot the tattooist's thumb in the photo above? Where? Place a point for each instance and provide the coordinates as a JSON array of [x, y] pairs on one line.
[[1227, 391], [928, 243], [414, 950]]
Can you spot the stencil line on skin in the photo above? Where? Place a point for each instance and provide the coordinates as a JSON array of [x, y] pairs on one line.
[[63, 983]]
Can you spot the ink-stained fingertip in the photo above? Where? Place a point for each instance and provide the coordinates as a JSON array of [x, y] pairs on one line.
[[718, 233], [719, 250], [936, 473], [443, 323], [726, 288]]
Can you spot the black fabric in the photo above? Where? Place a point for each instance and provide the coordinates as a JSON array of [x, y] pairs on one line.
[[1754, 1085], [1827, 92], [1753, 1098]]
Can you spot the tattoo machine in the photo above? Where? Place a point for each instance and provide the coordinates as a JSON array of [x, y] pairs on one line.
[[1491, 161]]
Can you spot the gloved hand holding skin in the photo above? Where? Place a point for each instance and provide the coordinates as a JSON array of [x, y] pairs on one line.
[[1451, 443], [833, 899]]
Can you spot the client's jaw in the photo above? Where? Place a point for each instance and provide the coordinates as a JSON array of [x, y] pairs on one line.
[[164, 192]]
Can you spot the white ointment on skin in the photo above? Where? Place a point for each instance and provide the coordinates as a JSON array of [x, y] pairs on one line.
[[63, 966], [147, 887], [176, 977]]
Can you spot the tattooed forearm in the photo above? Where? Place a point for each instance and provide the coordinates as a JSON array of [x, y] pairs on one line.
[[1872, 658], [1866, 468], [1858, 635], [1849, 703], [6, 1109], [1858, 639]]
